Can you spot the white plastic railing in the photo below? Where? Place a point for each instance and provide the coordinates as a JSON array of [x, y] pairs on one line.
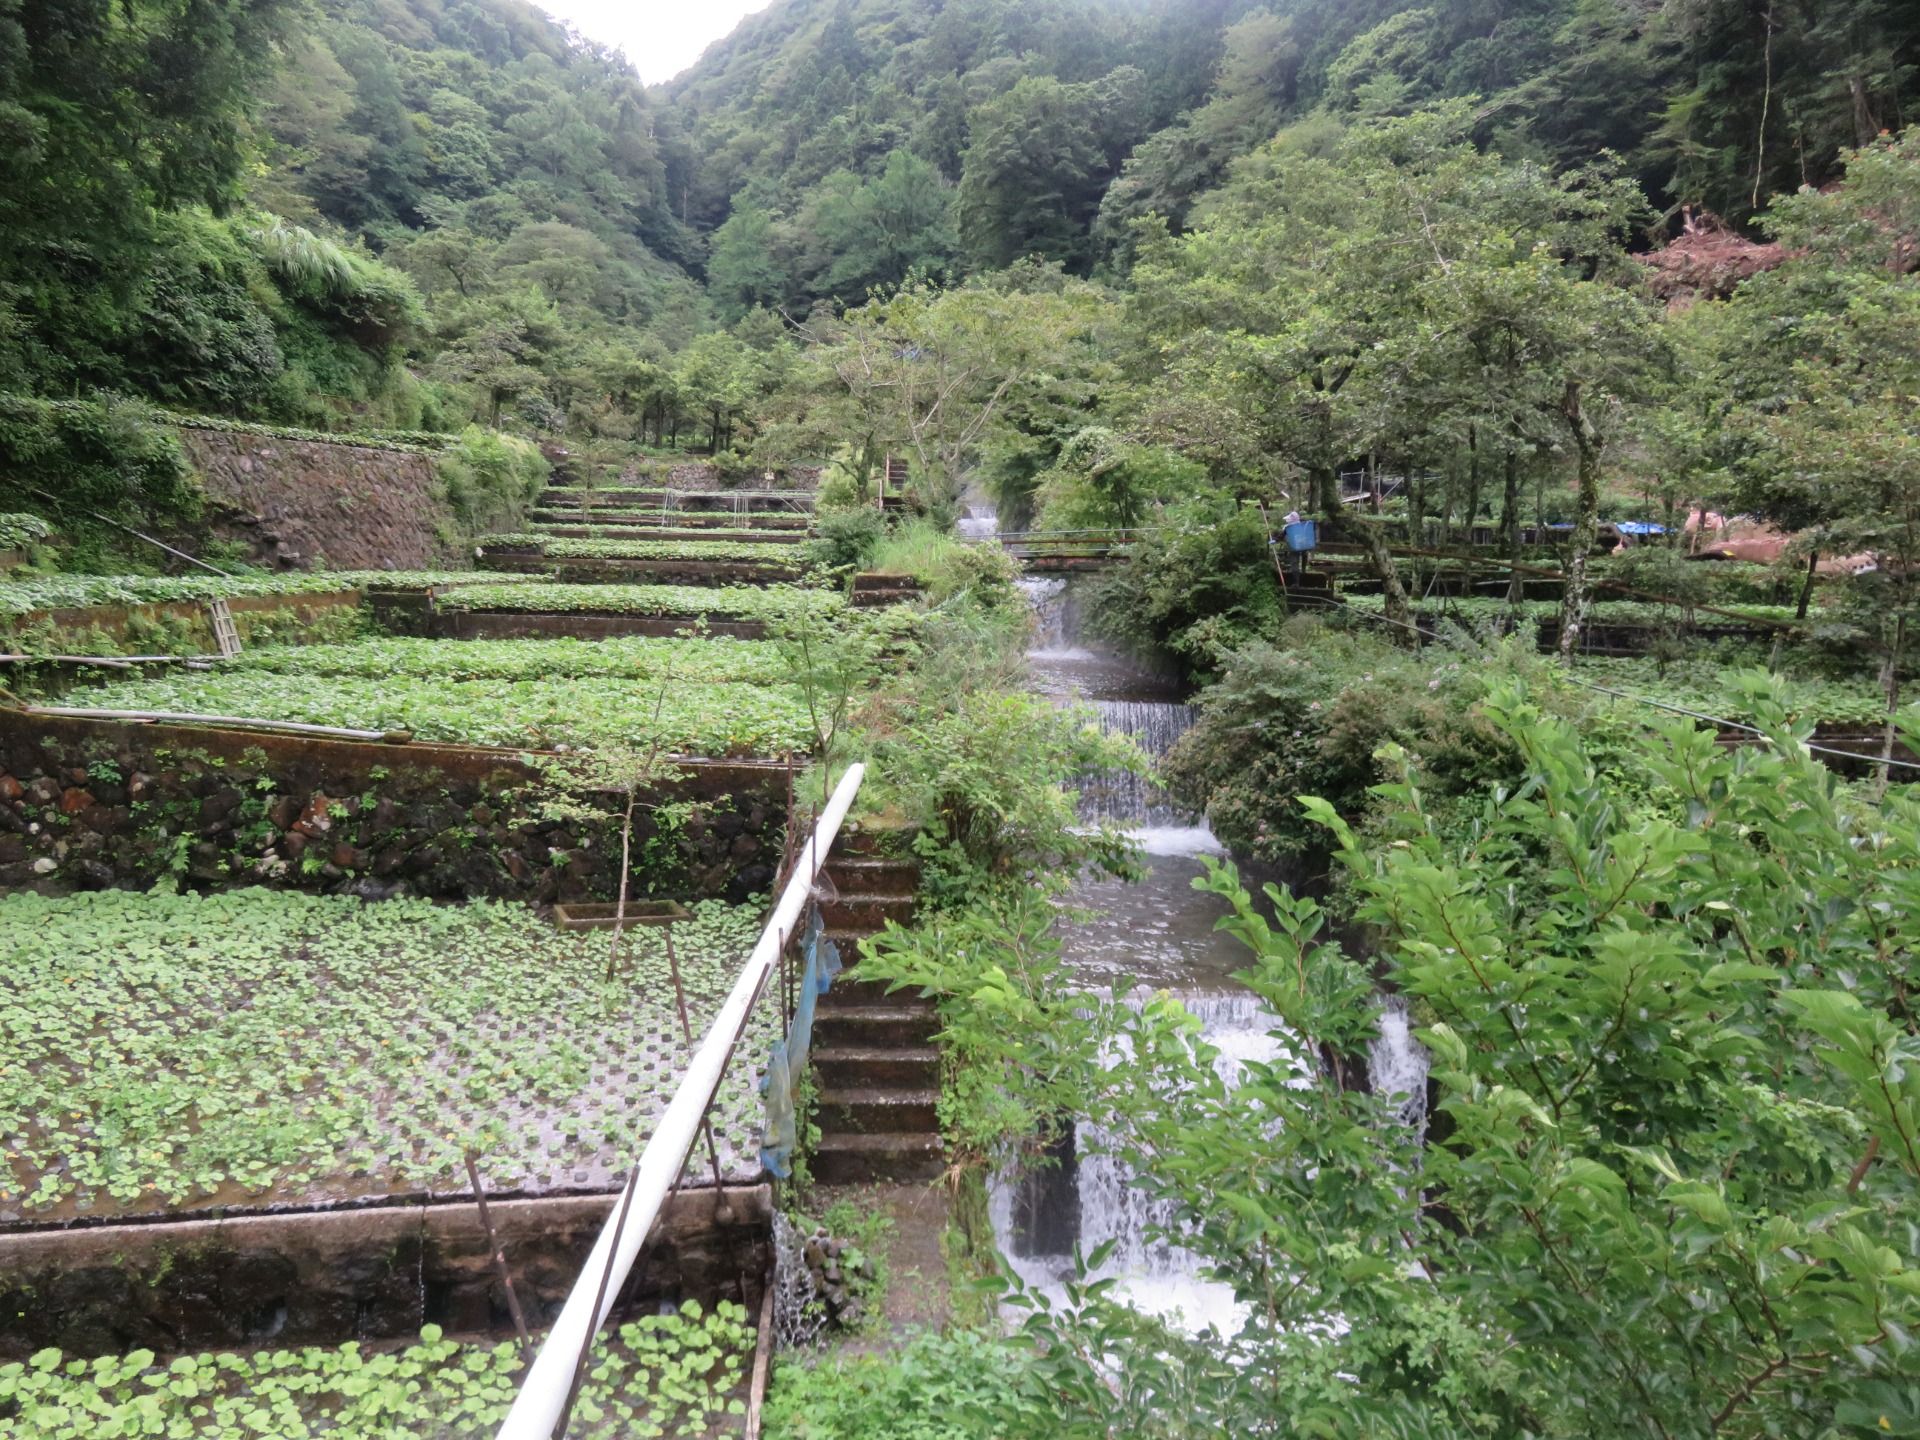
[[543, 1394]]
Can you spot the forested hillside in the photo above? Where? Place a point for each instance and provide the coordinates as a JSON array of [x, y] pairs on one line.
[[409, 213], [1060, 122]]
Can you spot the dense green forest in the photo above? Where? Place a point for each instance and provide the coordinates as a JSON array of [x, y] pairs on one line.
[[407, 214]]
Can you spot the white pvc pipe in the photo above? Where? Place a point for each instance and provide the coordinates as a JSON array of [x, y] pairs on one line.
[[543, 1394], [238, 722]]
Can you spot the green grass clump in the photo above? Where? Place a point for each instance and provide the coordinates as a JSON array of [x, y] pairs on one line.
[[167, 1050], [542, 714], [680, 1375]]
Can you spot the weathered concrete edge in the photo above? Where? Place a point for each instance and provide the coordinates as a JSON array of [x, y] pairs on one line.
[[122, 1242]]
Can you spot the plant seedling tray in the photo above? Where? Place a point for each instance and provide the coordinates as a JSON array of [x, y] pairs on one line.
[[599, 914]]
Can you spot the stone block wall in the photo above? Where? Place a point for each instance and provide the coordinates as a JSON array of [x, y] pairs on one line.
[[304, 504], [93, 804]]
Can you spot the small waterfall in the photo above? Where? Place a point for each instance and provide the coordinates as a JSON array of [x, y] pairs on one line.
[[1084, 1194], [1134, 799], [1397, 1067], [1047, 599], [980, 522]]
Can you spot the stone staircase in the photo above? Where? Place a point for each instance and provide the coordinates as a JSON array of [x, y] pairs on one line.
[[876, 1068]]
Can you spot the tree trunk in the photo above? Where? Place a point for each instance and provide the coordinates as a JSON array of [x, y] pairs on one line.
[[1586, 522], [1806, 586], [1417, 508], [1378, 553], [1473, 478], [1326, 495], [1865, 125], [1890, 686], [1395, 593], [1510, 523]]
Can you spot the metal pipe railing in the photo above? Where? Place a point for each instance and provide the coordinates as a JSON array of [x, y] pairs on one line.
[[543, 1394]]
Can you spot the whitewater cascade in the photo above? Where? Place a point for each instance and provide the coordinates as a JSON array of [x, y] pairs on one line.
[[1047, 598], [1158, 933], [979, 522], [1135, 800], [1087, 1196], [1084, 1195], [1397, 1065]]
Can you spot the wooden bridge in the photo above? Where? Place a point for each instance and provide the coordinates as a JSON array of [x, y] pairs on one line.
[[1059, 552]]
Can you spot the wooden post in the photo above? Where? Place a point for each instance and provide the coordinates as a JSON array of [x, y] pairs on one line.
[[762, 1358], [499, 1258]]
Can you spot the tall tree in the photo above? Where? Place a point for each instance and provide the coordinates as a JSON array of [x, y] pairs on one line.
[[1040, 157]]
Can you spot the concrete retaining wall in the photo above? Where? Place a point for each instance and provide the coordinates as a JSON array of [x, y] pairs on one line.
[[329, 1276]]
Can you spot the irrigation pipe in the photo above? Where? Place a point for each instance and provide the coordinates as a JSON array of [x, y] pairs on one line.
[[543, 1394], [237, 722], [95, 514]]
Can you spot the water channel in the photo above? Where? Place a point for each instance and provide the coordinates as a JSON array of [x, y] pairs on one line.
[[1158, 933]]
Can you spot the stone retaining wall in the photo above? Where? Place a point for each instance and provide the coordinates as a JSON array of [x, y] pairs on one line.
[[95, 804], [309, 504]]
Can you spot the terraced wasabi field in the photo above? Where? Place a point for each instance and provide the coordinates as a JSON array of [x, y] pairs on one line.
[[679, 1375], [579, 712], [744, 602], [693, 548], [66, 592], [179, 1052], [711, 661]]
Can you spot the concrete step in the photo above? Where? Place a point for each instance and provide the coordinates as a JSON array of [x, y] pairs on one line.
[[866, 913], [856, 1067], [866, 1110], [850, 989], [877, 839], [853, 1159], [873, 1026], [873, 875]]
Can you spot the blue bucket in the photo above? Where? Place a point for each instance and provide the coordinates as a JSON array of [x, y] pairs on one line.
[[1302, 535]]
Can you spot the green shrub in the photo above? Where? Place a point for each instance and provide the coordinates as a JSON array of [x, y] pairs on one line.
[[847, 539], [1196, 589], [72, 457], [948, 566], [1102, 481], [1307, 716], [490, 480], [984, 785], [965, 1385], [19, 529]]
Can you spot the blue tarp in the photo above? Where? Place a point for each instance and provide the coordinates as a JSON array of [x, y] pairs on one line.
[[819, 963], [1639, 527]]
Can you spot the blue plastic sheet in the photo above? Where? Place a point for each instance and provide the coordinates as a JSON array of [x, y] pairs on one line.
[[819, 963]]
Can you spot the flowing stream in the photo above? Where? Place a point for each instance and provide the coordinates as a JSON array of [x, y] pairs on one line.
[[1157, 934]]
